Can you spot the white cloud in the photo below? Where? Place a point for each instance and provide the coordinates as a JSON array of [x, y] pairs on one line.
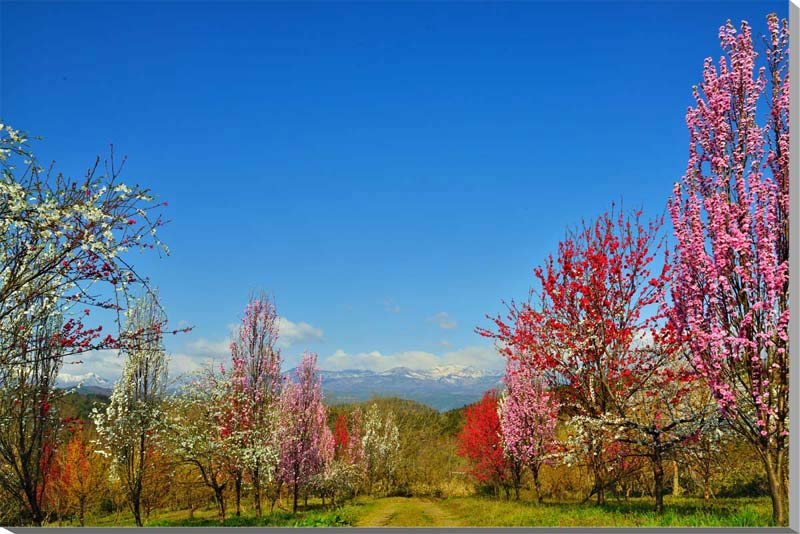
[[291, 333], [108, 363], [482, 357], [443, 320], [104, 363], [205, 348], [391, 306]]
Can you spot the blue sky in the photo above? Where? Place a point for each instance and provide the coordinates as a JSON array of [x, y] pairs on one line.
[[390, 172]]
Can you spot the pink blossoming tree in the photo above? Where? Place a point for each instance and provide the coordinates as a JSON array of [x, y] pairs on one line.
[[255, 389], [528, 417], [307, 441], [731, 218]]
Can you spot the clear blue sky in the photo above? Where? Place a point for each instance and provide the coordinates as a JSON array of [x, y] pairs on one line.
[[390, 172]]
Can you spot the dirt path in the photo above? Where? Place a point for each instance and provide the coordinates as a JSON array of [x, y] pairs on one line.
[[407, 512]]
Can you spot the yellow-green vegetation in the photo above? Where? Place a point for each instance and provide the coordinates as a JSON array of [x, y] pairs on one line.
[[480, 512]]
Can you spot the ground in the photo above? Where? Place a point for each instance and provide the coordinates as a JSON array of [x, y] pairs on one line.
[[408, 512], [482, 511]]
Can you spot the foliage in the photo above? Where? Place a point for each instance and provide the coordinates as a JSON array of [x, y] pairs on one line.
[[30, 425], [82, 474]]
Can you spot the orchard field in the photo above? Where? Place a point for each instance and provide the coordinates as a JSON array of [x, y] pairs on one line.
[[431, 486], [479, 512], [646, 371]]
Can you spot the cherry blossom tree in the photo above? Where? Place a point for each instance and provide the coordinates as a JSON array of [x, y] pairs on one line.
[[255, 386], [307, 441], [65, 246], [730, 212], [133, 420], [380, 446], [528, 417], [355, 444], [597, 298], [662, 410], [198, 434], [339, 478], [481, 442]]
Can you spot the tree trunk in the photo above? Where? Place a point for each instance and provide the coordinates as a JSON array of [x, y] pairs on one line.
[[599, 482], [257, 488], [676, 481], [238, 484], [137, 509], [218, 495], [295, 491], [658, 476], [778, 490], [81, 511], [537, 487]]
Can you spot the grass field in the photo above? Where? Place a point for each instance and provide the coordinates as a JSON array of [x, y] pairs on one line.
[[483, 512]]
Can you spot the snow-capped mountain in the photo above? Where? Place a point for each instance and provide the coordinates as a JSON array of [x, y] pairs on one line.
[[443, 388], [85, 383]]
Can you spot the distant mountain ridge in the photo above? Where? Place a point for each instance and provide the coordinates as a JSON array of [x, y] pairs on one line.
[[442, 387], [85, 383]]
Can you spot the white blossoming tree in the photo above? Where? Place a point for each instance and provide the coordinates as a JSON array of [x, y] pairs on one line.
[[381, 444], [132, 423], [65, 246], [199, 436]]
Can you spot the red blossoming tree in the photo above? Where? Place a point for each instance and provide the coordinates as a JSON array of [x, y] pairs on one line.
[[599, 297], [341, 436], [481, 442]]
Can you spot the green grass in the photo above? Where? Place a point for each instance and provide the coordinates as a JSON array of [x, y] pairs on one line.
[[315, 516], [481, 512], [691, 512]]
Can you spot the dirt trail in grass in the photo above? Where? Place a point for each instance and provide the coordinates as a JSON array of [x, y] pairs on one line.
[[407, 512]]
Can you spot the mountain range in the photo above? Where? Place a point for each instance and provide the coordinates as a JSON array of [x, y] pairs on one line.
[[443, 388]]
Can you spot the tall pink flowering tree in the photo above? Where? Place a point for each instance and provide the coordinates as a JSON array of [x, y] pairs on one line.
[[306, 436], [731, 218], [355, 444], [528, 418], [255, 389]]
